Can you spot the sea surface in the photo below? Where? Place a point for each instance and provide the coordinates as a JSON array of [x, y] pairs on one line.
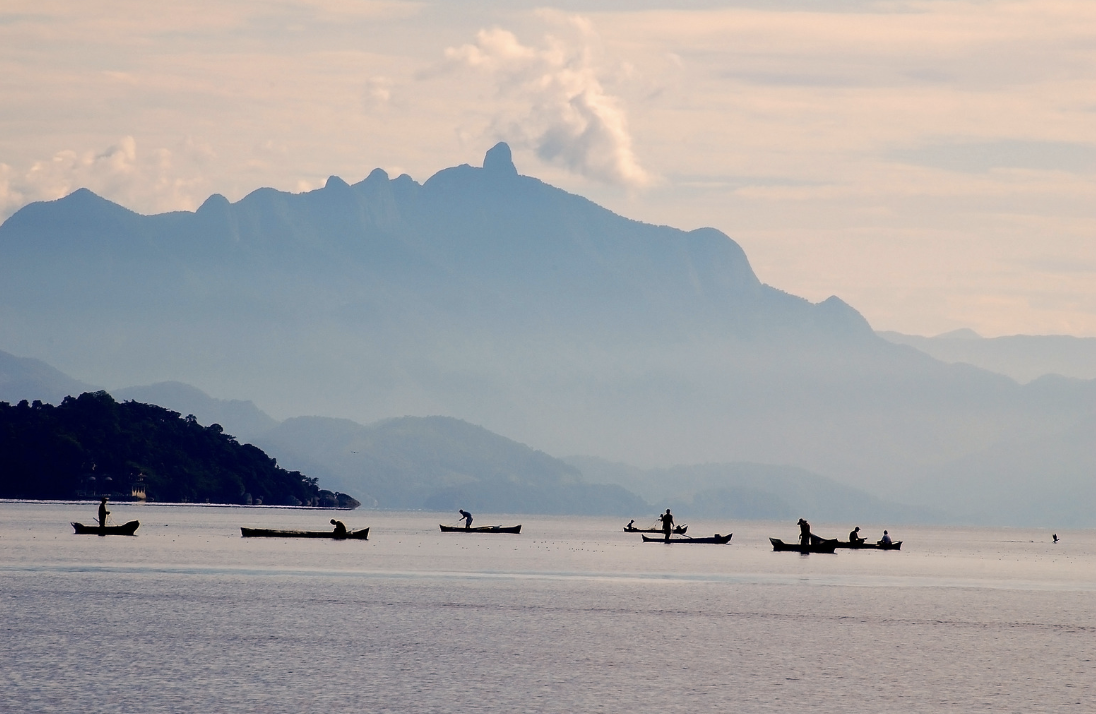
[[573, 615]]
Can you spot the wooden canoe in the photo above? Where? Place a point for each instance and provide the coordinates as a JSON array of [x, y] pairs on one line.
[[896, 545], [362, 534], [678, 530], [124, 529], [825, 546], [481, 529], [717, 539]]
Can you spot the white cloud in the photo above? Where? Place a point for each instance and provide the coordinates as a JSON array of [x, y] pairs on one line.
[[560, 108], [145, 181]]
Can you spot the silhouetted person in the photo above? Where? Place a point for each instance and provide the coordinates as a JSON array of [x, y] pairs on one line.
[[667, 523], [804, 533], [467, 518], [1055, 536], [854, 537], [631, 522], [103, 513], [340, 528], [886, 538]]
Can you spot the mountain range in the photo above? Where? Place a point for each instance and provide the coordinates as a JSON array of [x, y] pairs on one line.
[[441, 463], [498, 300], [437, 463], [1022, 357]]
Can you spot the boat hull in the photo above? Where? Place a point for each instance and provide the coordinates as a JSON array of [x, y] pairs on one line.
[[679, 530], [826, 546], [715, 540], [362, 534], [481, 529], [896, 545], [127, 529]]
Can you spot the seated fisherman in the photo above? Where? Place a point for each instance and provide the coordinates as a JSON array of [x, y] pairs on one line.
[[886, 539], [340, 528], [854, 537]]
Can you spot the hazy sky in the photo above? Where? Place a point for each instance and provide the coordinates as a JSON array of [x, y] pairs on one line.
[[932, 163]]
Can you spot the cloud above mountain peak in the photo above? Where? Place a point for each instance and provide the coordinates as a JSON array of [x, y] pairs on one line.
[[557, 105]]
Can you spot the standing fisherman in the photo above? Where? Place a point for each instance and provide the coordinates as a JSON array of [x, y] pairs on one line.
[[804, 533], [667, 523], [467, 518], [103, 513]]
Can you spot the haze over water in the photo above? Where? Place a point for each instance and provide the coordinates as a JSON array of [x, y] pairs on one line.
[[572, 615]]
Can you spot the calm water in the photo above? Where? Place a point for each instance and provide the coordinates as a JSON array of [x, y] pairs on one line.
[[571, 616]]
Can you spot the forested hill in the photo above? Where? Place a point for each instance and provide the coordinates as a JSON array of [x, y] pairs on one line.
[[92, 445]]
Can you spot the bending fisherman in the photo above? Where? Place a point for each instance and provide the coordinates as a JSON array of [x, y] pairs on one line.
[[340, 528], [467, 518]]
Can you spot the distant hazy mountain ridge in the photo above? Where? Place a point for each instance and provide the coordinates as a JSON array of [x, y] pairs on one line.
[[1022, 357], [751, 491], [499, 300], [443, 464], [31, 379]]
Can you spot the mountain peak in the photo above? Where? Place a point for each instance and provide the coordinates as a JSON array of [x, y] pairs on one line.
[[499, 161], [377, 174], [215, 201]]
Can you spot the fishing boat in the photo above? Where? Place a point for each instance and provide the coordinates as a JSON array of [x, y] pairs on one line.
[[822, 546], [124, 529], [362, 534], [896, 545], [481, 529], [716, 539], [678, 530]]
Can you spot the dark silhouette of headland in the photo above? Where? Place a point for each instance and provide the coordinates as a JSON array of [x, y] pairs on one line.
[[94, 447]]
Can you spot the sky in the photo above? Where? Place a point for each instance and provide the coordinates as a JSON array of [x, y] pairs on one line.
[[931, 163]]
